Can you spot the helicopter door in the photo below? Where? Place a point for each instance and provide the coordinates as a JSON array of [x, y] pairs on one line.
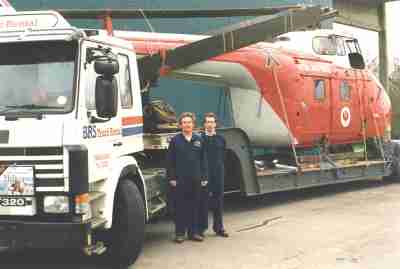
[[319, 110], [346, 122]]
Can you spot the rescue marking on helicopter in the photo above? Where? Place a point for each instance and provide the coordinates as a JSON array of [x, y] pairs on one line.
[[345, 116]]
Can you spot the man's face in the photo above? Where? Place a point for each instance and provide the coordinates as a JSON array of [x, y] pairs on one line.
[[210, 124], [187, 124]]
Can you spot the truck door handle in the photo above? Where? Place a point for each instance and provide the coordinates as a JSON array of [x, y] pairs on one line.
[[117, 144]]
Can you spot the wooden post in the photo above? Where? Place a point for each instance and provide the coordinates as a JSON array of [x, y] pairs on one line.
[[383, 50]]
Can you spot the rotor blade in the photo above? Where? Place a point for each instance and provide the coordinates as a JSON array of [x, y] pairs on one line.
[[326, 14], [249, 32], [170, 13]]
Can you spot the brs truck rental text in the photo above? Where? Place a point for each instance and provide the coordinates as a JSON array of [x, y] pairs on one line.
[[76, 169]]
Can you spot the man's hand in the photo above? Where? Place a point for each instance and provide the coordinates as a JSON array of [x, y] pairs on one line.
[[172, 183]]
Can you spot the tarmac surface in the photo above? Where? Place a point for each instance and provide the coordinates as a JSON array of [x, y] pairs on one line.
[[346, 226]]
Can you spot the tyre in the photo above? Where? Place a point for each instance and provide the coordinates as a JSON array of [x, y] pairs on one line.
[[127, 231], [395, 163]]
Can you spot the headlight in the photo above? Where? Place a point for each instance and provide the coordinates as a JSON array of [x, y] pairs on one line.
[[56, 204]]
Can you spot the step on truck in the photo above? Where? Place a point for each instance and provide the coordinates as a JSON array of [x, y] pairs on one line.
[[76, 169]]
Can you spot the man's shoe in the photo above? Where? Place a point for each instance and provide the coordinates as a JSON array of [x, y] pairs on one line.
[[222, 233], [179, 239], [202, 234], [196, 238]]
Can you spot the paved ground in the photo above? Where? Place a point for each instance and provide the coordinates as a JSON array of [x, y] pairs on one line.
[[349, 226]]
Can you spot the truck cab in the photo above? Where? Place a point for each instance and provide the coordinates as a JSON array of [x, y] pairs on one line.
[[71, 124]]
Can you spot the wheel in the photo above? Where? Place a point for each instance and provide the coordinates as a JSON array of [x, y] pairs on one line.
[[127, 231], [395, 163]]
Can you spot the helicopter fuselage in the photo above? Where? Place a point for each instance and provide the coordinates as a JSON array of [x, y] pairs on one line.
[[281, 95]]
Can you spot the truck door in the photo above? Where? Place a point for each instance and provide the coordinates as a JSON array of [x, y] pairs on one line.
[[102, 137], [130, 104]]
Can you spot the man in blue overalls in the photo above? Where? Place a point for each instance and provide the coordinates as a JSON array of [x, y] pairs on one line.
[[215, 147], [187, 171]]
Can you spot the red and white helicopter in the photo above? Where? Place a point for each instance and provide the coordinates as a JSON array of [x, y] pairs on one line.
[[303, 88]]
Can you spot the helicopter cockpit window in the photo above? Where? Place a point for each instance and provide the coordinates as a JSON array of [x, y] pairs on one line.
[[319, 89], [352, 46], [340, 47], [324, 45], [345, 90]]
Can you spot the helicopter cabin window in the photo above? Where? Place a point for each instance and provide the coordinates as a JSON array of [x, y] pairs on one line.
[[345, 91], [324, 45], [319, 90], [125, 82]]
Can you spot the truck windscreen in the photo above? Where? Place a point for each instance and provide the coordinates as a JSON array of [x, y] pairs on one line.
[[37, 76]]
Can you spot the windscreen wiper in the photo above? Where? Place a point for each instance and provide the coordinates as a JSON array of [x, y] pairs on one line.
[[13, 109], [31, 106], [5, 109]]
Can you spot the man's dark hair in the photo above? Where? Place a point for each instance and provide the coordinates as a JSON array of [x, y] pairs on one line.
[[189, 115], [210, 115]]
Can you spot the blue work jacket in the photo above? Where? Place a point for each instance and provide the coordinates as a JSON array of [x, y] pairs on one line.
[[215, 148], [186, 160]]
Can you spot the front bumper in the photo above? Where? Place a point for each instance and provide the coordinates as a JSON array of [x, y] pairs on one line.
[[21, 234]]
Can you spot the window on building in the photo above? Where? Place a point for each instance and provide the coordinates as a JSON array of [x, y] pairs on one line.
[[319, 89]]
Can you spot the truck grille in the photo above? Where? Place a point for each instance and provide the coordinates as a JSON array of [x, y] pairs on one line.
[[48, 164], [4, 136]]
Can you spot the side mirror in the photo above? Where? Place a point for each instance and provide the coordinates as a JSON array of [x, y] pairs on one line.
[[106, 97], [107, 67], [356, 60]]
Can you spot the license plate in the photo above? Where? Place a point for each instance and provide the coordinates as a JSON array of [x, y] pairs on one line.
[[16, 181], [14, 201], [17, 191]]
